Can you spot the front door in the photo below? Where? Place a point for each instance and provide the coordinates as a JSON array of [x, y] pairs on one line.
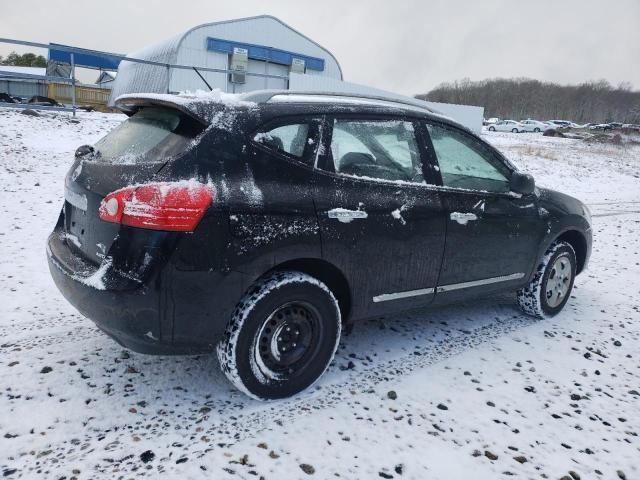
[[381, 225], [492, 234]]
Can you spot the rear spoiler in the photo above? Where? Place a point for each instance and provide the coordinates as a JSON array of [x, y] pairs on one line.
[[130, 104]]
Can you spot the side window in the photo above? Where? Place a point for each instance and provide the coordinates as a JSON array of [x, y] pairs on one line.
[[465, 163], [290, 139], [383, 149]]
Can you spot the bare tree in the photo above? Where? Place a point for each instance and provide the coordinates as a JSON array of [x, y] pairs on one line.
[[520, 98]]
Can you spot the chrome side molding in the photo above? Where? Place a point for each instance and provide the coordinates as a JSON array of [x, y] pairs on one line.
[[477, 283], [385, 297]]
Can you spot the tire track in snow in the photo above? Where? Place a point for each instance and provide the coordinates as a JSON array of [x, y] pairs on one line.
[[613, 203], [615, 213], [378, 374], [232, 425]]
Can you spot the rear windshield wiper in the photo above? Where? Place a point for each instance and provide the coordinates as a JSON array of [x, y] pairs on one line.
[[84, 150]]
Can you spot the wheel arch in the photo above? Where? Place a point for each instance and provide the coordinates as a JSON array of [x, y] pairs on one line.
[[328, 274], [579, 244]]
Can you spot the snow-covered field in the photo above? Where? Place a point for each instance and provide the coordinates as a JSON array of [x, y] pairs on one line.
[[469, 391]]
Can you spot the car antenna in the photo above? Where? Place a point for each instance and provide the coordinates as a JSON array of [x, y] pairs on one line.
[[203, 79]]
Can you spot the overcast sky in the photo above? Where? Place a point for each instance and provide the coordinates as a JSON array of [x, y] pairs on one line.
[[403, 46]]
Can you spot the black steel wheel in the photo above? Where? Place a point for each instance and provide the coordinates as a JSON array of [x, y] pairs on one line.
[[288, 339], [552, 283], [281, 337]]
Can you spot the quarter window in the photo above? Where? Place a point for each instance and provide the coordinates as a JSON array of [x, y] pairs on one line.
[[381, 149], [289, 139], [465, 163]]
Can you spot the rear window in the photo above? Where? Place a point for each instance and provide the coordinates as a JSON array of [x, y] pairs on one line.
[[152, 134]]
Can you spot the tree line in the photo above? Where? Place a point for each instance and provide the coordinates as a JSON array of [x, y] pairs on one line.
[[25, 60], [521, 98]]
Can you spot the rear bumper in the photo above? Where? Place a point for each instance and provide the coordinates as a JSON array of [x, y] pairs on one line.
[[131, 312], [124, 309]]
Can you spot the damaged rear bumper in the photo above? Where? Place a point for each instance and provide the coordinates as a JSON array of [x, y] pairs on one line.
[[125, 309]]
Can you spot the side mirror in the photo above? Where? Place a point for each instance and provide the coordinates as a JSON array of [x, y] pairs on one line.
[[522, 183], [84, 150]]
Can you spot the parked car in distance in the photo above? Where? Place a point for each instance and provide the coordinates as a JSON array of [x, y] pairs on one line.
[[534, 126], [258, 226], [6, 98], [507, 126], [560, 123], [490, 121], [44, 101], [601, 126]]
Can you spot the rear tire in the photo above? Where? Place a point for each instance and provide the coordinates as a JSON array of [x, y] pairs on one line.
[[536, 130], [551, 285], [282, 336], [514, 130], [492, 129]]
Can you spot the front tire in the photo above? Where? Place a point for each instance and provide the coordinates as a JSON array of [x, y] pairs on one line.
[[281, 337], [536, 130], [551, 285], [514, 130], [492, 129]]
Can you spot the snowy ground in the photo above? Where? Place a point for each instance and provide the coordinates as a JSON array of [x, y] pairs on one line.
[[469, 391]]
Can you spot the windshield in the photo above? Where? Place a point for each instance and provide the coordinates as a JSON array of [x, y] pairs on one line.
[[151, 134]]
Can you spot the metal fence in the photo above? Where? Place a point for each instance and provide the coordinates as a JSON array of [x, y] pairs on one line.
[[76, 92]]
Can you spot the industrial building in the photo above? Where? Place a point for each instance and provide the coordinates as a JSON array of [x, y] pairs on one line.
[[234, 56], [249, 53], [105, 79], [23, 81]]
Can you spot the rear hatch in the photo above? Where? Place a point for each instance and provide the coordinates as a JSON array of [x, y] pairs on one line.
[[133, 153]]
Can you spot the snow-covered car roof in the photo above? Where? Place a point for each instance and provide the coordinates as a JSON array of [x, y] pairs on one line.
[[205, 106]]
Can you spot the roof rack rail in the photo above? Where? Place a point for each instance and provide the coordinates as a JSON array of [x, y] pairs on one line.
[[263, 96]]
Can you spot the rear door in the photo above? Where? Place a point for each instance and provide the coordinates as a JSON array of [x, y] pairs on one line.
[[273, 217], [381, 224], [493, 235]]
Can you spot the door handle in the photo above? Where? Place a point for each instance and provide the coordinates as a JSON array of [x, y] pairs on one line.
[[345, 215], [463, 217]]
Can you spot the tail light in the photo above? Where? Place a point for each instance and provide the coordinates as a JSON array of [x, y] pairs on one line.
[[174, 206]]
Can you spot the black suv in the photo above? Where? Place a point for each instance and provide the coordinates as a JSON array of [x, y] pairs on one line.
[[261, 224]]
